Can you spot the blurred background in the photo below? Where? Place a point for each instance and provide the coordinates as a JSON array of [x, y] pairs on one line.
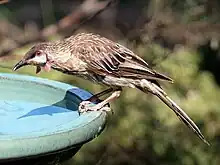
[[179, 38]]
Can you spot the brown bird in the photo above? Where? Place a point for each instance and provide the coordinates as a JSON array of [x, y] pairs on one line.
[[103, 61]]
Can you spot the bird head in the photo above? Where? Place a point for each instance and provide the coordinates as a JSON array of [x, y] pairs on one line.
[[37, 56]]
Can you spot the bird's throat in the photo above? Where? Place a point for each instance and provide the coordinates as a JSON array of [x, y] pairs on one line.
[[46, 67]]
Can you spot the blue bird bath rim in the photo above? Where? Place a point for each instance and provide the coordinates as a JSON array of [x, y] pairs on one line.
[[40, 116]]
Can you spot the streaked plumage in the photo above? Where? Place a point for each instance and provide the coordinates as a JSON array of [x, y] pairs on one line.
[[103, 61]]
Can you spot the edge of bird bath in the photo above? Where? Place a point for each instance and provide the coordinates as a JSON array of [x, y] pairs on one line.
[[55, 141]]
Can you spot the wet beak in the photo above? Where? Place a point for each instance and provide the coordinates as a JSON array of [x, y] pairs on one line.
[[20, 64]]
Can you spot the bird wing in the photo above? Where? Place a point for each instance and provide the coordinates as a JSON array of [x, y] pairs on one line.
[[106, 57]]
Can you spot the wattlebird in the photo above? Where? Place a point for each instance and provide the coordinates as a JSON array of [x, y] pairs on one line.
[[103, 61]]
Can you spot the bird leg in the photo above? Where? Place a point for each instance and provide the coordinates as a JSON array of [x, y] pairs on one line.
[[95, 98], [86, 105]]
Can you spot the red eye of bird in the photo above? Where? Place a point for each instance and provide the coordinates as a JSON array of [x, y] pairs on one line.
[[38, 53]]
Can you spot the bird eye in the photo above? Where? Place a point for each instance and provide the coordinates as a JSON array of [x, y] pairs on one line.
[[38, 53]]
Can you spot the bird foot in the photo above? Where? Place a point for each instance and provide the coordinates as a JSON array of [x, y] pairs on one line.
[[86, 106]]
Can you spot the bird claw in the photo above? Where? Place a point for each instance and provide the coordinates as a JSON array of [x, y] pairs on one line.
[[86, 106]]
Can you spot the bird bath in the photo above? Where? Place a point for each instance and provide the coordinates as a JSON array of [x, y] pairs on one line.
[[39, 120]]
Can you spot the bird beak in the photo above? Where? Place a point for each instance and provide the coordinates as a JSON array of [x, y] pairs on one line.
[[20, 64]]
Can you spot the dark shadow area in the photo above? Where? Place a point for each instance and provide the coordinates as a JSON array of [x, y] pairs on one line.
[[48, 110], [210, 60], [70, 102], [46, 159]]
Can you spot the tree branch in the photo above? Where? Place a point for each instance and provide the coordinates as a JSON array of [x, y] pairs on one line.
[[85, 12]]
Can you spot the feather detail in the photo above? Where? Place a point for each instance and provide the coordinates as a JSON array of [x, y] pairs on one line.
[[147, 86], [103, 55]]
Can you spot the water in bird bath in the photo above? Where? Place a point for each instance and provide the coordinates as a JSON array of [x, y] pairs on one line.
[[29, 106], [25, 117]]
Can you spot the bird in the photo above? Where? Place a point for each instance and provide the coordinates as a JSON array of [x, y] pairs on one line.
[[98, 59]]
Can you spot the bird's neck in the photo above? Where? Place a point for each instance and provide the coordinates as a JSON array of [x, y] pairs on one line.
[[67, 68]]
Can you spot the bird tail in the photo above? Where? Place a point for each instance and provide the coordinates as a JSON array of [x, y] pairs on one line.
[[147, 86]]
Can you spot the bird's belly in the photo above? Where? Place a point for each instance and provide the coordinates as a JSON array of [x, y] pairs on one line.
[[108, 80], [91, 77], [118, 81]]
